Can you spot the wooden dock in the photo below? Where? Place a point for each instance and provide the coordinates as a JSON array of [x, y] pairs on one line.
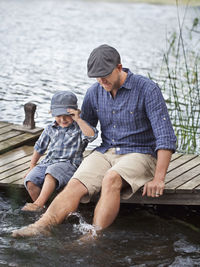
[[182, 179]]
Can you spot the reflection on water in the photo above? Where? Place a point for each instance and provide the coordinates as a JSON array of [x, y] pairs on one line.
[[141, 236], [45, 45]]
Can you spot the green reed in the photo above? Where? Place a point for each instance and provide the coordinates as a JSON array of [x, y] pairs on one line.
[[181, 63]]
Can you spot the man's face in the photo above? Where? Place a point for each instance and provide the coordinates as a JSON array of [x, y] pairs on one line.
[[111, 82]]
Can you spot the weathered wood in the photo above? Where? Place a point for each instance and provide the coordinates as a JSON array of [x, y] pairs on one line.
[[190, 185], [15, 154], [182, 168], [166, 199], [5, 129], [180, 161], [4, 124], [14, 171], [13, 164], [183, 178], [17, 141], [6, 136], [29, 109]]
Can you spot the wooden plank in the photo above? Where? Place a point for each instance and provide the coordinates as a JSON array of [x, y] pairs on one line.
[[4, 124], [190, 185], [14, 178], [5, 129], [180, 161], [182, 179], [14, 171], [166, 199], [14, 164], [180, 173], [8, 135], [17, 141], [15, 154], [176, 156]]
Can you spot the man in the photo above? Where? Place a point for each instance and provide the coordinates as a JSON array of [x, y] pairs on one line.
[[137, 143]]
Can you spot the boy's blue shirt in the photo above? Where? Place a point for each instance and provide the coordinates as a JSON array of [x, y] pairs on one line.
[[63, 144]]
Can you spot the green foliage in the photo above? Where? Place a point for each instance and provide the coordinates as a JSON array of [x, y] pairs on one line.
[[181, 63]]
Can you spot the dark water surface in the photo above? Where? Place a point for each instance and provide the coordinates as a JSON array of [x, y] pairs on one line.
[[141, 236]]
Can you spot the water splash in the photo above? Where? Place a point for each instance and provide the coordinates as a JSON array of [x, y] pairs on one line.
[[83, 227]]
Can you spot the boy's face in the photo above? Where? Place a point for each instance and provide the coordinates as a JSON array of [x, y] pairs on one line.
[[64, 120]]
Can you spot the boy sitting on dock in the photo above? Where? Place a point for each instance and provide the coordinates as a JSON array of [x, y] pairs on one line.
[[65, 139]]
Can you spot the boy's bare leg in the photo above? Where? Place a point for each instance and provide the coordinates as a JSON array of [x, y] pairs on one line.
[[47, 189], [65, 202], [33, 190], [108, 205]]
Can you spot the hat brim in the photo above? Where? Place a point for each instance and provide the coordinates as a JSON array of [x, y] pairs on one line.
[[59, 111]]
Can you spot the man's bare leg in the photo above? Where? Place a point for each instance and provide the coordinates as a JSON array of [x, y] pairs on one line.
[[108, 205], [47, 189], [65, 202]]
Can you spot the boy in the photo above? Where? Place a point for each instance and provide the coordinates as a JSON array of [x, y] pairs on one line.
[[66, 139]]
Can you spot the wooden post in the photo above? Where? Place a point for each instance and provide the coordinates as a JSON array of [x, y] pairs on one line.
[[29, 122], [29, 109]]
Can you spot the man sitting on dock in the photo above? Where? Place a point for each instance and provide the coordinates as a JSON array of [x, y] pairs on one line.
[[137, 143]]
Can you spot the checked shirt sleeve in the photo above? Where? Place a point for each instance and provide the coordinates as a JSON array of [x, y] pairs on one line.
[[160, 121], [43, 141]]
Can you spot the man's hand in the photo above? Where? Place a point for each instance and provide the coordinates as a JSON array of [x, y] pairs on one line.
[[154, 188]]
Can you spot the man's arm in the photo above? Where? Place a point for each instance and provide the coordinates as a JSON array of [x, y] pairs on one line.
[[155, 187]]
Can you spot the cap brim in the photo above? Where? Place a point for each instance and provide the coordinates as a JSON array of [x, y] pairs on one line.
[[59, 111]]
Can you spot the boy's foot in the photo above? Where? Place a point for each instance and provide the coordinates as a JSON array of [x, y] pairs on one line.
[[32, 207], [30, 230]]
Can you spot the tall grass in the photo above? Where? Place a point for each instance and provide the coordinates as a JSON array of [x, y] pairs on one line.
[[181, 85]]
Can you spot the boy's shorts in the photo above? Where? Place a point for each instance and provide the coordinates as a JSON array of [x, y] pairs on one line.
[[135, 168], [61, 171]]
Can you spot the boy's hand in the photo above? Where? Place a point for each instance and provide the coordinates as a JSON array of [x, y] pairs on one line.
[[75, 113]]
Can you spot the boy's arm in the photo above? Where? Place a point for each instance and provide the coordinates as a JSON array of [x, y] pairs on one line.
[[85, 128], [35, 157]]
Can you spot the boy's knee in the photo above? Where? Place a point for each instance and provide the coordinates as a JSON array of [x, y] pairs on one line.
[[31, 186]]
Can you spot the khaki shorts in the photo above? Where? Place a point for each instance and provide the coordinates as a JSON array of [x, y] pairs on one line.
[[135, 168]]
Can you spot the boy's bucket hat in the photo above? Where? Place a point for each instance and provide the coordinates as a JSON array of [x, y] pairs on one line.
[[102, 61], [61, 101]]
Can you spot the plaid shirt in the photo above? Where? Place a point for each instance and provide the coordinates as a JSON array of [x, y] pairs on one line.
[[63, 143], [136, 120]]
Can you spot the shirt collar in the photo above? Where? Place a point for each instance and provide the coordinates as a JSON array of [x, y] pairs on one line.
[[127, 84], [54, 124]]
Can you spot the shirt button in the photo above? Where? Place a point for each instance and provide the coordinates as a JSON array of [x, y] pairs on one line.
[[114, 126], [117, 148], [113, 112], [113, 140]]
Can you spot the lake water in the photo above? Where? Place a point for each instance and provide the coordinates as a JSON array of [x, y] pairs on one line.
[[44, 46]]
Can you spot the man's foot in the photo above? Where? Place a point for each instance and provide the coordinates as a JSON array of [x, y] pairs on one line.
[[30, 230], [32, 207]]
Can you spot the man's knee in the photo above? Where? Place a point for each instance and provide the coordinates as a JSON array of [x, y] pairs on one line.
[[112, 181], [74, 185]]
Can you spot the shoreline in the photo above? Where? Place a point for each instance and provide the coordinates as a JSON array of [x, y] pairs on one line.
[[157, 2]]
